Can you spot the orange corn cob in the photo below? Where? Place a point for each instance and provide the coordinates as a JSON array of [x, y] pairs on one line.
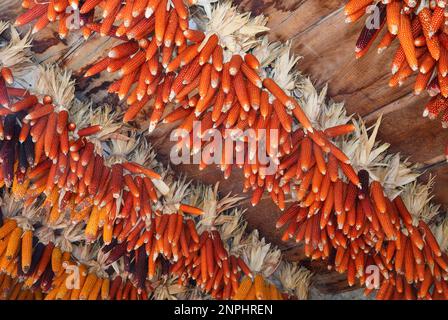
[[251, 75], [407, 41], [241, 91], [273, 88], [431, 42], [355, 5], [32, 14], [207, 49], [393, 16], [160, 20], [136, 61], [97, 67], [138, 7], [7, 75], [235, 64], [437, 20], [378, 196], [89, 5], [285, 119]]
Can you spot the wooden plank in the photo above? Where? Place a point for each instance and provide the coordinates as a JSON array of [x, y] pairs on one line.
[[440, 189], [10, 9], [287, 17], [411, 134]]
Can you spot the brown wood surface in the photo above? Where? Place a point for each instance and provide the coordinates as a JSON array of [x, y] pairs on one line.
[[319, 34]]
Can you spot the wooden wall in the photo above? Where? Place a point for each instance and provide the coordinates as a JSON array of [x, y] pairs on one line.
[[319, 34]]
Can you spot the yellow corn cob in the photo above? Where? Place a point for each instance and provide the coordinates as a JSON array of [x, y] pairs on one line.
[[56, 260], [19, 189], [15, 291], [243, 289], [92, 225], [105, 289], [88, 286], [82, 278], [251, 294], [96, 289], [259, 287], [63, 288], [13, 243], [52, 294], [38, 295], [27, 247], [54, 215], [407, 41], [7, 227]]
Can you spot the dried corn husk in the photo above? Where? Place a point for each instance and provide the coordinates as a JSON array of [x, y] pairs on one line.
[[237, 31], [16, 54], [260, 256], [295, 279], [417, 198]]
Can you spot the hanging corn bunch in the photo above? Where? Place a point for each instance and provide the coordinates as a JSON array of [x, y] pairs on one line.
[[215, 270], [213, 78], [350, 202], [32, 254], [355, 229], [262, 260], [117, 152], [294, 279], [420, 28], [143, 233], [18, 226], [13, 289], [169, 61]]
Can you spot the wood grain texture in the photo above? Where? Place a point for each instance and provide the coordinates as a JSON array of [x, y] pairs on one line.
[[319, 34]]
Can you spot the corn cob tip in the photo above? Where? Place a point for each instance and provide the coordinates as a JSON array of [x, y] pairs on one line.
[[148, 13]]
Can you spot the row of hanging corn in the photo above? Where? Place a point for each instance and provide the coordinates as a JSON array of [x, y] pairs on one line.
[[352, 205]]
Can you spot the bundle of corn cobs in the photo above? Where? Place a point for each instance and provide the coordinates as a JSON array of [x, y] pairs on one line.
[[95, 220], [87, 212], [420, 27], [147, 235]]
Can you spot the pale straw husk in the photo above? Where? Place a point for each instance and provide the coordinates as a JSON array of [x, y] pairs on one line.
[[15, 53], [322, 115], [441, 233], [207, 198], [26, 217], [364, 152], [417, 198], [168, 288], [238, 32], [56, 83], [261, 257], [295, 279]]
